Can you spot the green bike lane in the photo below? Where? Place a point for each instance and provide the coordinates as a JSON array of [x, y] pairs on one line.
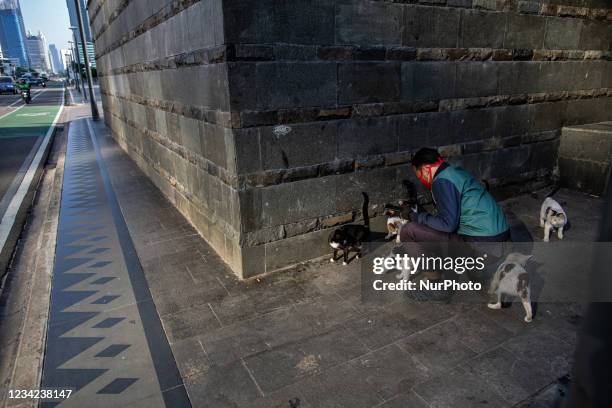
[[21, 132], [25, 133]]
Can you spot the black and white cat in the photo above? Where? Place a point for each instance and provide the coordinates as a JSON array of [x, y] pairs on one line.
[[552, 216], [511, 278], [350, 237]]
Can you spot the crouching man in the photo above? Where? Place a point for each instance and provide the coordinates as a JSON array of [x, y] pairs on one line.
[[466, 212]]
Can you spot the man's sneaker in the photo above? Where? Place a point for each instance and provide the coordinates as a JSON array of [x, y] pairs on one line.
[[432, 295]]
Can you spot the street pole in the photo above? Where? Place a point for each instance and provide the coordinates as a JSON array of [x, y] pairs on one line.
[[72, 64], [78, 60], [92, 99]]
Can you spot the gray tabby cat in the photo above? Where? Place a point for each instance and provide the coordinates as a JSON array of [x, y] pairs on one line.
[[511, 278]]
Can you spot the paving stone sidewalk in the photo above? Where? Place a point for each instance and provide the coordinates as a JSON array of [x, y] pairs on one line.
[[305, 336]]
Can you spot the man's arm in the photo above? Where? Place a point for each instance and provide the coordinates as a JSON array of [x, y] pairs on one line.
[[448, 202]]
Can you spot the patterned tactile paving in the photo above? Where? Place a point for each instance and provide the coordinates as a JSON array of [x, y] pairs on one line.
[[104, 340]]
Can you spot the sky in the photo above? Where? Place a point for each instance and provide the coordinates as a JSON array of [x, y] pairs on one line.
[[50, 17]]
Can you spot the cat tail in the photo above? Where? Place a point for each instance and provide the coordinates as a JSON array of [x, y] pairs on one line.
[[554, 191], [364, 209], [410, 189]]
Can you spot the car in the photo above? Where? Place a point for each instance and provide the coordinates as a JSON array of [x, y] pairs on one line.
[[7, 85]]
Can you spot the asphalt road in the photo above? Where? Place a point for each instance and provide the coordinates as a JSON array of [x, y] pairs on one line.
[[22, 128]]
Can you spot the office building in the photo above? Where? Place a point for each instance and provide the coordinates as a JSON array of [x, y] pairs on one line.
[[37, 50], [12, 32], [56, 61]]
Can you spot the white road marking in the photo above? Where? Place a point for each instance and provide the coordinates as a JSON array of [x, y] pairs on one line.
[[21, 106]]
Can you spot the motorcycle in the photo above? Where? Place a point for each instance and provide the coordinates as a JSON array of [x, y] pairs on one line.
[[43, 84], [26, 96]]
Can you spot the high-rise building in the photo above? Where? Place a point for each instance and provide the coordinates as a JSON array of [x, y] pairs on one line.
[[37, 50], [75, 22], [12, 32], [56, 61], [88, 38], [65, 59]]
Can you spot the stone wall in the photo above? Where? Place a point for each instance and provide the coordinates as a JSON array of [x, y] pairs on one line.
[[262, 120]]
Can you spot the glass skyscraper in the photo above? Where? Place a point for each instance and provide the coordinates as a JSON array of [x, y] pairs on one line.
[[12, 32], [75, 22]]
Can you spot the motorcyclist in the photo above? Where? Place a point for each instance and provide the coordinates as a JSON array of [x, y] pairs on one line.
[[23, 85]]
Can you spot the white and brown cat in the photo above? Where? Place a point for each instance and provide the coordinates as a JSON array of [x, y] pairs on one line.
[[511, 278], [552, 217]]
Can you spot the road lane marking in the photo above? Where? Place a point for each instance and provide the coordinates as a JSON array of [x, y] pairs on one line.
[[33, 114], [18, 100]]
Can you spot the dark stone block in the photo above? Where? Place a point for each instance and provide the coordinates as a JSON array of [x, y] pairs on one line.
[[562, 33], [253, 261], [459, 3], [361, 82], [518, 77], [278, 21], [431, 27], [381, 184], [426, 129], [559, 76], [595, 35], [290, 85], [371, 23], [247, 150], [291, 251], [370, 53], [524, 31], [304, 145], [242, 92], [295, 52], [545, 116], [512, 120], [522, 54], [336, 167], [401, 53], [583, 111], [279, 206], [529, 7], [428, 80], [584, 175], [250, 52], [336, 52], [482, 29], [252, 212], [310, 22], [476, 79], [366, 137], [588, 142], [215, 141], [472, 125]]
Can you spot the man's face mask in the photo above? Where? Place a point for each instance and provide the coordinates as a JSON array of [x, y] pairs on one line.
[[425, 175]]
